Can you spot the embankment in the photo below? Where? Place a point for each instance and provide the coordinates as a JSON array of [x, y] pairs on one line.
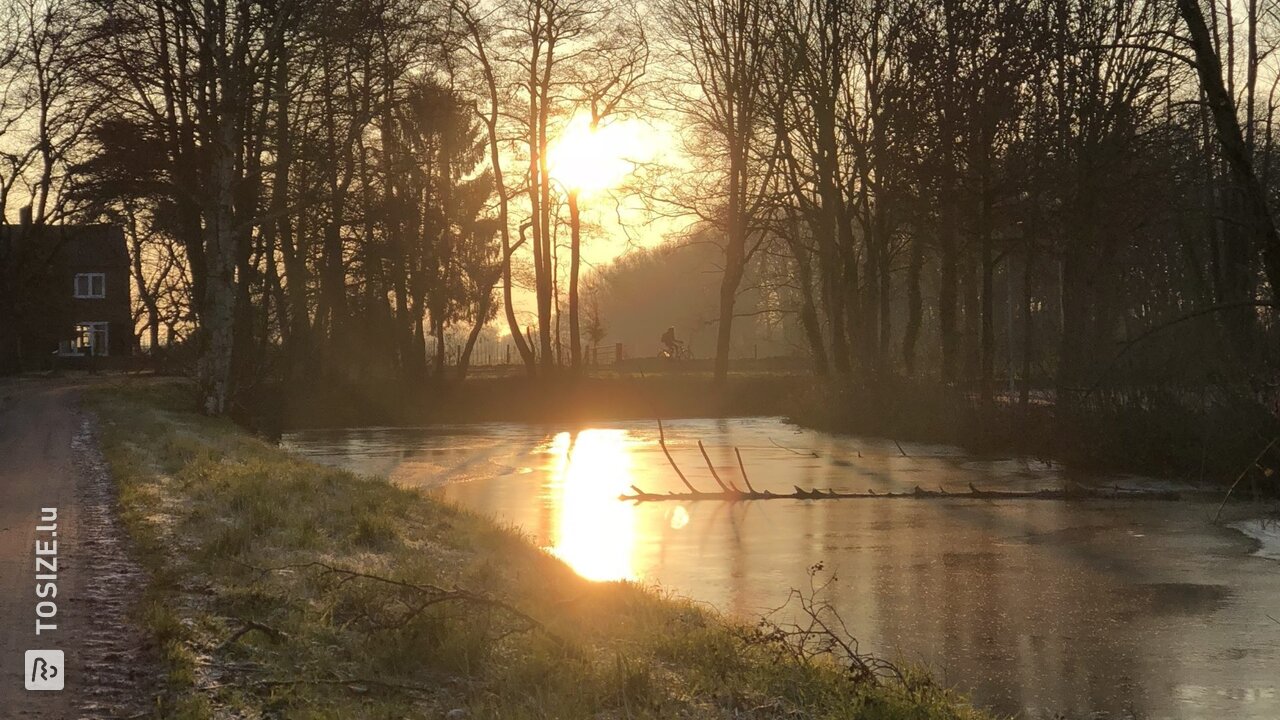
[[279, 588]]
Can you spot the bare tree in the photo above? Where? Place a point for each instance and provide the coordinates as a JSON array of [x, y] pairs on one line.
[[723, 46], [475, 40]]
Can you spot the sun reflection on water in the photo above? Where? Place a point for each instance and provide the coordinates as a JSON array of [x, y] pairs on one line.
[[594, 532]]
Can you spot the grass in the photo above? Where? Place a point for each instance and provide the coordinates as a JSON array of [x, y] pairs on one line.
[[251, 619]]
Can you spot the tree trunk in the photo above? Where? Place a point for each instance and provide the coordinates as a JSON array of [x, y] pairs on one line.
[[852, 289], [495, 163], [542, 206], [808, 312], [869, 318], [949, 340], [437, 329], [734, 254], [988, 340], [724, 333], [145, 296], [1075, 324], [1028, 325], [575, 251], [971, 304], [1231, 140], [885, 288], [915, 306], [482, 312], [831, 231], [298, 332], [218, 318]]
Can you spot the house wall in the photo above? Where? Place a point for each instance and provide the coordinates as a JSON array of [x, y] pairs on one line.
[[40, 306], [115, 308]]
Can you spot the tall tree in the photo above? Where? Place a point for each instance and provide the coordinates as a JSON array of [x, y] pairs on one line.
[[723, 44]]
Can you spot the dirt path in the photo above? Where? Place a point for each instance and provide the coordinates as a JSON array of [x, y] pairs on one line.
[[49, 459]]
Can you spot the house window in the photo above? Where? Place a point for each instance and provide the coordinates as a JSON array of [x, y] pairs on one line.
[[91, 338], [91, 285]]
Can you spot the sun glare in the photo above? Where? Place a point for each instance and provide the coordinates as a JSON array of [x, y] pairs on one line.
[[590, 159], [596, 534]]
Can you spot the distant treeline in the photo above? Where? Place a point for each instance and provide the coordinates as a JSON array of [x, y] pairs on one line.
[[1008, 196]]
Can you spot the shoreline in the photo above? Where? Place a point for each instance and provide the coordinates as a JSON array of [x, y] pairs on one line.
[[279, 584], [1151, 437]]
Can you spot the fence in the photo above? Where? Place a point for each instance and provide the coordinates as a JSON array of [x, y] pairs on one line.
[[493, 353]]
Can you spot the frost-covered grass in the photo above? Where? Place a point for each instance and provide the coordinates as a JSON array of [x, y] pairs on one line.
[[280, 588]]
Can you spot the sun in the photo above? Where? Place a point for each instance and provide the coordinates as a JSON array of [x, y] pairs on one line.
[[591, 159]]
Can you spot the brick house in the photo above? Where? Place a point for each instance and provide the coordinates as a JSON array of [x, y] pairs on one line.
[[64, 296]]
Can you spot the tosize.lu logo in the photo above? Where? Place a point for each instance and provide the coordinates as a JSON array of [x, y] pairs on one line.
[[44, 670]]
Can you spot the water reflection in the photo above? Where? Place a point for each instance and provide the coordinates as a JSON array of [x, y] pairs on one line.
[[679, 517], [1040, 609], [593, 532]]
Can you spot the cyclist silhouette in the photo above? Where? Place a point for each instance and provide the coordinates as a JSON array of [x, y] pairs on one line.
[[674, 349]]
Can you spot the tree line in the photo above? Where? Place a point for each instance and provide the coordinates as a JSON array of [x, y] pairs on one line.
[[960, 190], [1065, 173]]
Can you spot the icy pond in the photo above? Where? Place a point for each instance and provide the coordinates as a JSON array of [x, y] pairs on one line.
[[1044, 609]]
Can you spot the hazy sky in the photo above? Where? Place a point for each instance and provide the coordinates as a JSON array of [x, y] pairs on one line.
[[614, 215]]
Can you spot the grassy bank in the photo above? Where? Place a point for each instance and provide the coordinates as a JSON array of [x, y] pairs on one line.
[[283, 589]]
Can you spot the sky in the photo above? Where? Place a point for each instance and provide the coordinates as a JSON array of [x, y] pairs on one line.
[[601, 163]]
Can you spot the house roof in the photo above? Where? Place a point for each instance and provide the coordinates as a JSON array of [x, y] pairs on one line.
[[99, 244]]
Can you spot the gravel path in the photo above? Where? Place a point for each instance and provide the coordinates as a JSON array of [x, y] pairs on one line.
[[49, 458]]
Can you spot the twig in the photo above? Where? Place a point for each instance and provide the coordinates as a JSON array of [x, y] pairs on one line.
[[1240, 477], [743, 468], [793, 451], [904, 452], [403, 687], [662, 440], [248, 626], [712, 468], [434, 595], [823, 633]]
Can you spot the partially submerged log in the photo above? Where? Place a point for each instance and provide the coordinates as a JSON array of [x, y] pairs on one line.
[[1074, 492], [731, 492]]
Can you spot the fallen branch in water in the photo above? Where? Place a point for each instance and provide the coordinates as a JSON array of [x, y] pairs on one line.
[[1068, 493], [731, 492]]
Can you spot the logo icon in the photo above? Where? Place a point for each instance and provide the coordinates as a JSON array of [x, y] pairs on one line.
[[44, 670]]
